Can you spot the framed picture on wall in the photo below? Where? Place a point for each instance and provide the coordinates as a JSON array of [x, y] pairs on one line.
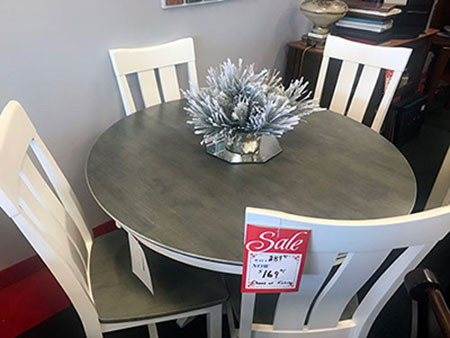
[[181, 3]]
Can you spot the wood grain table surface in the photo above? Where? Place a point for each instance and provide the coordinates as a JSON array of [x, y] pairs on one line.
[[149, 173]]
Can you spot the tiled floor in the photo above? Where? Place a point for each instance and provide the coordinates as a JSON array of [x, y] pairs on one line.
[[424, 154]]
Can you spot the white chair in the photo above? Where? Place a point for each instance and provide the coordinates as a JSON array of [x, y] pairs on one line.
[[96, 276], [440, 194], [148, 61], [373, 59], [316, 309]]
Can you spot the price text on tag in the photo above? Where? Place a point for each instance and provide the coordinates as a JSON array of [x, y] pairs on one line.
[[273, 259]]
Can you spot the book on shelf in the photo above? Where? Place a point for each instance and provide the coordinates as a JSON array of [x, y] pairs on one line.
[[362, 36], [377, 28], [376, 13], [371, 16], [368, 21], [371, 6]]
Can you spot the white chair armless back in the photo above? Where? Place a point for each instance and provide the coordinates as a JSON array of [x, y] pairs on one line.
[[146, 62], [315, 310], [373, 59], [440, 194], [52, 223]]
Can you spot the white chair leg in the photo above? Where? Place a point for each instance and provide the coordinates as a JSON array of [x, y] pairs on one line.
[[214, 322], [182, 322], [152, 331], [91, 325], [246, 321]]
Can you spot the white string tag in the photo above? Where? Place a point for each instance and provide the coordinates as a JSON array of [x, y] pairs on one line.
[[139, 263]]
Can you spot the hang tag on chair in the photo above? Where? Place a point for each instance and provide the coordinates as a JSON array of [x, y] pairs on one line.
[[139, 263], [273, 259]]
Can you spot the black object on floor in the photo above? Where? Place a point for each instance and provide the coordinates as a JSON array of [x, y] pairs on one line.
[[410, 115]]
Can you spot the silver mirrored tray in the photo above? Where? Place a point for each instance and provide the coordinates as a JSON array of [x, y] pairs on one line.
[[269, 147]]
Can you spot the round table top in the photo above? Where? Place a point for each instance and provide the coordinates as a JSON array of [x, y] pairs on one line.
[[149, 173]]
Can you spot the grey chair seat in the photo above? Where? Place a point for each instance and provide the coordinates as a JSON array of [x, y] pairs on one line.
[[120, 296]]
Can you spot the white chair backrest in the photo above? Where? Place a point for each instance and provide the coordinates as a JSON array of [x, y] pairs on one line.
[[440, 194], [148, 61], [373, 59], [52, 222], [315, 310]]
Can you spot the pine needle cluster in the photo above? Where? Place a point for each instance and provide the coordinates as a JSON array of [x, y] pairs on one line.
[[239, 100]]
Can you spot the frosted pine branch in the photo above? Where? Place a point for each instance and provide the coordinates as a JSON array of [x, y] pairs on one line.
[[238, 100]]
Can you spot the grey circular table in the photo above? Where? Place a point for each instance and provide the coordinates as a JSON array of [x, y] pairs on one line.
[[150, 174]]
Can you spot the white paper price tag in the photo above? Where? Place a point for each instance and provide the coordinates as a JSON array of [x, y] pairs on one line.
[[273, 270], [139, 263]]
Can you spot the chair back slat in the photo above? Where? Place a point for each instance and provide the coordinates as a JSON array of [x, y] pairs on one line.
[[386, 101], [344, 87], [149, 88], [373, 58], [321, 78], [53, 206], [440, 193], [246, 316], [363, 93], [350, 277], [169, 83], [292, 308], [54, 234], [192, 74], [366, 245], [62, 188], [163, 58], [125, 93]]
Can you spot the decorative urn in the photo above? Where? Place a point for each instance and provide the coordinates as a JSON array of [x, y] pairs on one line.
[[322, 14]]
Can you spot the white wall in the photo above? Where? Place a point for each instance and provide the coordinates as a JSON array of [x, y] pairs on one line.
[[54, 61]]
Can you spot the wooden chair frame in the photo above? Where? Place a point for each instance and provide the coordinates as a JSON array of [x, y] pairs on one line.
[[373, 58], [146, 61], [315, 310], [52, 221]]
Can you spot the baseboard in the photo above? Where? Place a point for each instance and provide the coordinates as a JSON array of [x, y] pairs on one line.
[[29, 294], [20, 270], [30, 302], [104, 228]]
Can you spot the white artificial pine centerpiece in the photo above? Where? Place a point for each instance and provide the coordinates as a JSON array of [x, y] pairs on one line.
[[237, 100]]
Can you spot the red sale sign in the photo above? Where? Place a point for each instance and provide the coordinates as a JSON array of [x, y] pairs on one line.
[[273, 259]]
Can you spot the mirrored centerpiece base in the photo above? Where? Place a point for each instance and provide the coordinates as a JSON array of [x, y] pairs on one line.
[[269, 147]]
